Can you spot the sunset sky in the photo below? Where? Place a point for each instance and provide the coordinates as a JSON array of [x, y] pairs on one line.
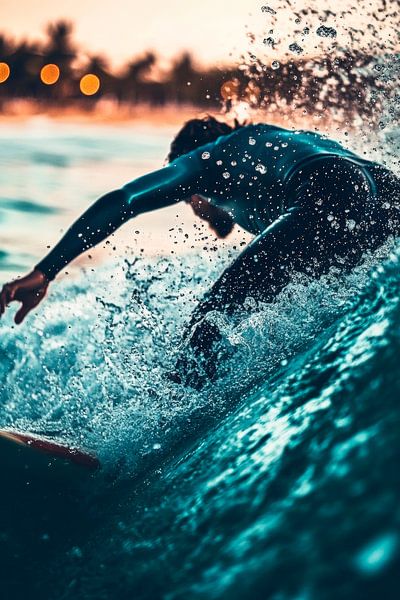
[[212, 28], [215, 30]]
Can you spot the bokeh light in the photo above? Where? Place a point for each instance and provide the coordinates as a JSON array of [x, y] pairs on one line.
[[50, 74], [230, 89], [89, 84], [4, 72]]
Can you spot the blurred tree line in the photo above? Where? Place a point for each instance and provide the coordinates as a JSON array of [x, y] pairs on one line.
[[183, 83], [349, 83]]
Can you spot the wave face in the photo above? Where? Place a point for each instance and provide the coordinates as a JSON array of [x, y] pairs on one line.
[[279, 481]]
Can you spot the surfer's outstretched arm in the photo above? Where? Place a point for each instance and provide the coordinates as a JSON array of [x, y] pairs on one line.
[[101, 219], [150, 192], [156, 190]]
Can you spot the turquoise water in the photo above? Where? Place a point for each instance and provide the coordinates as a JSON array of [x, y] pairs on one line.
[[51, 171], [279, 481]]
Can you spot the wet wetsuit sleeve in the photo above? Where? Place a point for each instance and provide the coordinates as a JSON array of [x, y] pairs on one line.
[[158, 189]]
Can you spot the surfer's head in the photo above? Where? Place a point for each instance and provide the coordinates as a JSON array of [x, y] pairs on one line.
[[198, 132], [195, 133]]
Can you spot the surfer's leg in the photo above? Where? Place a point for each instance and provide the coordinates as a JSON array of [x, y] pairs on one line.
[[260, 271], [335, 218]]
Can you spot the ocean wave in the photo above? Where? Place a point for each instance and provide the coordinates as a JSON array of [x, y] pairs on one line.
[[27, 206], [297, 475], [102, 347]]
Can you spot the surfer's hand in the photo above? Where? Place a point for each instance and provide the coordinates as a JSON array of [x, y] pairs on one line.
[[29, 290], [220, 222]]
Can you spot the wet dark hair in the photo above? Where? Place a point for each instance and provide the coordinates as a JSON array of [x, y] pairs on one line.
[[198, 132]]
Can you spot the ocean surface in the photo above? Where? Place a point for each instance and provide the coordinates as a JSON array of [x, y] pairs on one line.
[[280, 481]]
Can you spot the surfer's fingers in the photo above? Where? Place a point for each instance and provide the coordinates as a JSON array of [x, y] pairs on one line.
[[6, 295], [28, 303], [21, 313]]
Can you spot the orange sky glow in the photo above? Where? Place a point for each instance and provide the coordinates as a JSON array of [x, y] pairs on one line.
[[214, 30]]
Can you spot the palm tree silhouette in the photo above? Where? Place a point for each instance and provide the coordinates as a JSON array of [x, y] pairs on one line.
[[61, 51], [24, 62], [132, 88], [183, 78], [60, 48]]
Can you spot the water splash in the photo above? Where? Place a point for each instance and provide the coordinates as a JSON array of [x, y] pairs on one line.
[[330, 67], [102, 348]]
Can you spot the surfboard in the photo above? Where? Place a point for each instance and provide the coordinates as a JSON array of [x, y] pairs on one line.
[[36, 457]]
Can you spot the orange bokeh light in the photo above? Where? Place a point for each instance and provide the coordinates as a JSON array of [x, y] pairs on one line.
[[49, 74], [89, 84], [230, 89], [4, 72]]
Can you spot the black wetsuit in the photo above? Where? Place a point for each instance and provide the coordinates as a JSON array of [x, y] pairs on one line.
[[311, 203]]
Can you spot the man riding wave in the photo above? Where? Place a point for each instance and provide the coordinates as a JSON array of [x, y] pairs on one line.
[[310, 203]]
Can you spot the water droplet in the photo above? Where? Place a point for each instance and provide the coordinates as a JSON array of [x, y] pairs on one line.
[[205, 155], [76, 552], [295, 48], [252, 141], [261, 169], [268, 9], [269, 41], [324, 31], [219, 162], [350, 224], [226, 175], [275, 65]]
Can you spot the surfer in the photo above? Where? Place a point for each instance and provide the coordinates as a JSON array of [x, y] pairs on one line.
[[310, 203]]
